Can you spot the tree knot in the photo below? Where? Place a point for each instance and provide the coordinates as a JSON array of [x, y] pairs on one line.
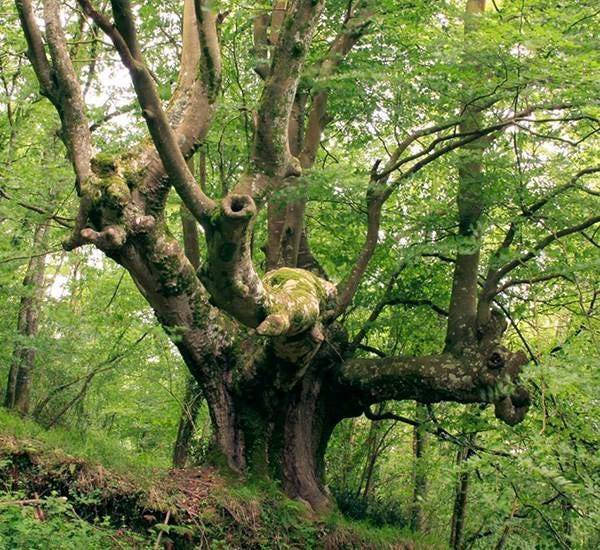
[[497, 359], [239, 207]]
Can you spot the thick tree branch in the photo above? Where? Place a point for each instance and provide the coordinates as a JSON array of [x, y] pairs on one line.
[[58, 80], [286, 224], [278, 12], [210, 60], [60, 84], [35, 47], [266, 35], [287, 302], [261, 44], [193, 105], [272, 162], [471, 379], [70, 102], [461, 331]]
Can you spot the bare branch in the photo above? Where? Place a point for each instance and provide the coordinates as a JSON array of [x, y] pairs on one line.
[[531, 281], [376, 310], [65, 222], [492, 279], [390, 416], [60, 84], [438, 431], [109, 116], [529, 211], [347, 289], [371, 349], [461, 138], [415, 302], [501, 272]]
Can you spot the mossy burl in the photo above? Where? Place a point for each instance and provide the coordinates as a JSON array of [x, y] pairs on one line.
[[107, 187], [104, 164], [295, 299]]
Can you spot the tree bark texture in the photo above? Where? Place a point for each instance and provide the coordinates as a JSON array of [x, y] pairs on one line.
[[420, 437]]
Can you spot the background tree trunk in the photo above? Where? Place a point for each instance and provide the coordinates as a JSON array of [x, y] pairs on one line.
[[417, 515], [20, 376], [462, 490]]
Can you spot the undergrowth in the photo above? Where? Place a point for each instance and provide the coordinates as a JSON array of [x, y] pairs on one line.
[[50, 499], [51, 523]]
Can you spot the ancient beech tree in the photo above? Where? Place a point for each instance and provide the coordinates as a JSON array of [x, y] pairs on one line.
[[269, 352]]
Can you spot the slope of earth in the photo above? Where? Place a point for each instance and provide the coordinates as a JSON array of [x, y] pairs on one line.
[[51, 499]]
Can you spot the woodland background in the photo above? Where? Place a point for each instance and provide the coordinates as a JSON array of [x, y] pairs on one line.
[[109, 385]]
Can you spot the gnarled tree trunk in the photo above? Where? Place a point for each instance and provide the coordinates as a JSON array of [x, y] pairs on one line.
[[268, 352]]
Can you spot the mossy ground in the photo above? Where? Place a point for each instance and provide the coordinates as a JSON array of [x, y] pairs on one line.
[[53, 497]]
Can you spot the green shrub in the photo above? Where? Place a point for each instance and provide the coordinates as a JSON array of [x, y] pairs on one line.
[[377, 511], [51, 523]]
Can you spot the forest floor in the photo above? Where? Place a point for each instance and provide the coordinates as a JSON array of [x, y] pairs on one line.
[[53, 500]]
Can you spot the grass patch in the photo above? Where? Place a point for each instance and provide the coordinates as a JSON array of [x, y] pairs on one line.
[[345, 533], [92, 446]]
